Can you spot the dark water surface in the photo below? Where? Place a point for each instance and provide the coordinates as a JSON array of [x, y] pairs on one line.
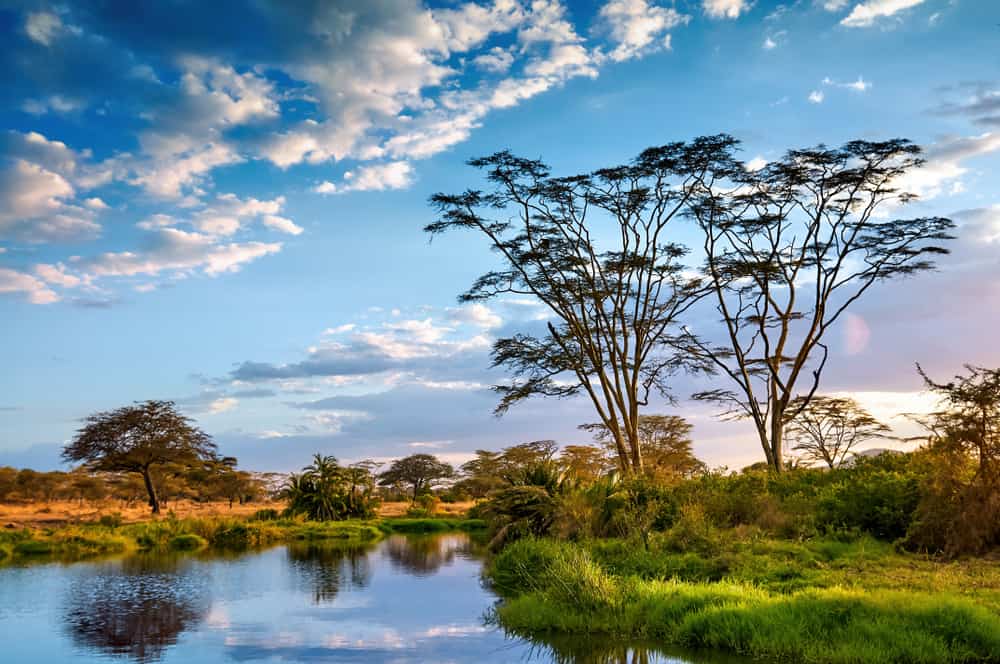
[[404, 599]]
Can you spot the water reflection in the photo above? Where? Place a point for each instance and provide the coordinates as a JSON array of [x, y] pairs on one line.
[[423, 555], [137, 607], [329, 568], [577, 649], [405, 599]]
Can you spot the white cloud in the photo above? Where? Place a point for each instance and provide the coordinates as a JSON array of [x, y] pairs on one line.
[[181, 252], [816, 97], [725, 8], [497, 60], [769, 44], [95, 204], [638, 27], [756, 163], [35, 207], [944, 164], [860, 85], [281, 224], [31, 288], [477, 314], [57, 275], [379, 177], [42, 27], [222, 404], [865, 14], [429, 444], [51, 104]]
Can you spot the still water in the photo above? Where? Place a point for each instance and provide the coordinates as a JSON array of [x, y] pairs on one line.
[[404, 599]]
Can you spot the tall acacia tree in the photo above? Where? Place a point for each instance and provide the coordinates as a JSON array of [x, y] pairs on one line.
[[827, 428], [596, 250], [788, 249], [138, 438]]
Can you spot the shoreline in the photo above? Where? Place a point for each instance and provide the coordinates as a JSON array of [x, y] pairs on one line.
[[81, 541]]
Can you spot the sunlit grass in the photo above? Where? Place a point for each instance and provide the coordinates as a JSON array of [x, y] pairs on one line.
[[612, 588]]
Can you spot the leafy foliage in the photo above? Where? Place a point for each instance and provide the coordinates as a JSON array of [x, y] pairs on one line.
[[327, 491], [789, 248], [613, 306], [137, 438], [826, 429]]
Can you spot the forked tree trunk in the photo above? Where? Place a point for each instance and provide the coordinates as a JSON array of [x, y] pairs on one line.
[[154, 502]]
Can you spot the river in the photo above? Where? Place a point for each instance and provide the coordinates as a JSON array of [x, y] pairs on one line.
[[404, 599]]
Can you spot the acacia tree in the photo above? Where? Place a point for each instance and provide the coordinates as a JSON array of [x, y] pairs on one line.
[[666, 445], [959, 512], [137, 439], [969, 419], [421, 471], [595, 249], [788, 249], [826, 429]]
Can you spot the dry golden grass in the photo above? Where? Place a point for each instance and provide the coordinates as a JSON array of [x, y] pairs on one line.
[[58, 512], [443, 509]]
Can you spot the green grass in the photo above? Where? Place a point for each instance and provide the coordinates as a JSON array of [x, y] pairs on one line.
[[613, 589], [430, 525], [102, 538]]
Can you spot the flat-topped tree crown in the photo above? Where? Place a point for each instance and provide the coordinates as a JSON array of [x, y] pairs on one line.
[[597, 251], [788, 249], [137, 438]]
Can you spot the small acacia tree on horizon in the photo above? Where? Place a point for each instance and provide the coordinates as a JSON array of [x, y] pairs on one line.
[[597, 251], [138, 438], [666, 444], [788, 249], [827, 429], [420, 471]]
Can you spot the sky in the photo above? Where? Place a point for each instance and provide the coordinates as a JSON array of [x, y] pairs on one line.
[[222, 203]]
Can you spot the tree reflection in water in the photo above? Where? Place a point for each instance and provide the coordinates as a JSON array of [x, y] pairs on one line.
[[136, 608], [423, 555], [329, 568], [580, 649]]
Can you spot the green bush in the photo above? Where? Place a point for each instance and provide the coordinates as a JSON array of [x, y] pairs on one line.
[[187, 542], [112, 520]]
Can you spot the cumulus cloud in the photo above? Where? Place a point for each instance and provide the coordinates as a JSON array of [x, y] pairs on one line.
[[31, 288], [393, 175], [638, 27], [42, 27], [35, 206], [725, 8], [816, 97], [945, 164], [866, 14], [438, 347], [497, 60], [180, 252]]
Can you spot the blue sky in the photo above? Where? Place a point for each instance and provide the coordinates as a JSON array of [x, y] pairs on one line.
[[222, 203]]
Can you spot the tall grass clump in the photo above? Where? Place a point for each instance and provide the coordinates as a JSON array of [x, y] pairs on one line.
[[558, 587]]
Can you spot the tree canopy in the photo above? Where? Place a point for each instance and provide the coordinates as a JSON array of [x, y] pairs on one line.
[[420, 471], [597, 250], [788, 249], [827, 429], [137, 438]]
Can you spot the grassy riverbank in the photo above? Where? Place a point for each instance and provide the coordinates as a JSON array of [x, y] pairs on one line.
[[107, 537], [817, 601]]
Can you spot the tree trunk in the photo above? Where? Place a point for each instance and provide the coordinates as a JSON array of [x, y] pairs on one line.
[[777, 440], [154, 503]]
